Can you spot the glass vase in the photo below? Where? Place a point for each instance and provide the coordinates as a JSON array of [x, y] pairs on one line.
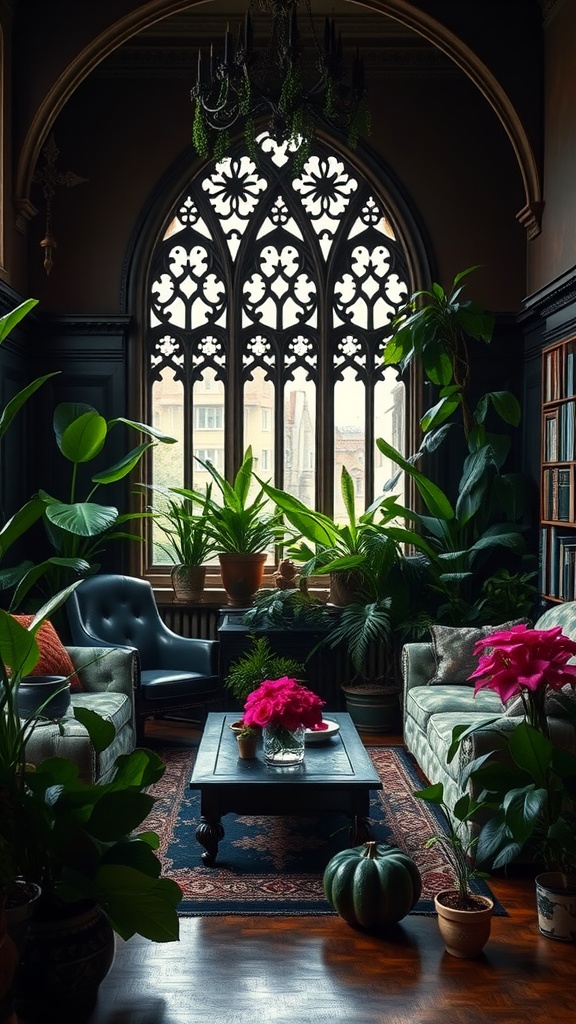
[[283, 747]]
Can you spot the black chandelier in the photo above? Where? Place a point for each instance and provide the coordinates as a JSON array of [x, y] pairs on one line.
[[288, 91]]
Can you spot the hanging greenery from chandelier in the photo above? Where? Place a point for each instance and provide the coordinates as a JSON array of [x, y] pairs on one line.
[[277, 86]]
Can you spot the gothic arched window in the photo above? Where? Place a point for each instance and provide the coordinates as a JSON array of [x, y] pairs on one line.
[[269, 303]]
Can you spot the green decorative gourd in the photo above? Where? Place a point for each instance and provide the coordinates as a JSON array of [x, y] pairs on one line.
[[373, 885]]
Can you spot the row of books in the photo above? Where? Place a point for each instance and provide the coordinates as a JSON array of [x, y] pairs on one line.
[[559, 373], [559, 431], [558, 564], [558, 494]]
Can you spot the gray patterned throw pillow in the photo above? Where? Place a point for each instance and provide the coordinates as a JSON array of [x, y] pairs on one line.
[[453, 648]]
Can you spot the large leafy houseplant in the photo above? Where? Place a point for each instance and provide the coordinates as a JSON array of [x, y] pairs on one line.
[[238, 521], [77, 841], [529, 782], [489, 513]]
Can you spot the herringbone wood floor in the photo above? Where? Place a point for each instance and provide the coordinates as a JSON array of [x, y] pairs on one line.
[[307, 970]]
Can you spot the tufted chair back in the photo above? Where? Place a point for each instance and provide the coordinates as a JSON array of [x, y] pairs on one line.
[[117, 611]]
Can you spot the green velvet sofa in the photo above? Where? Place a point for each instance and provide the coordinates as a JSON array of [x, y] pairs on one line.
[[436, 698]]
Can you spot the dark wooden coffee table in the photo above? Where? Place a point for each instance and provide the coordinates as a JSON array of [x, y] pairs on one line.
[[336, 776]]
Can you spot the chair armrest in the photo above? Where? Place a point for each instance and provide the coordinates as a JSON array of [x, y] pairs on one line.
[[105, 669], [417, 665], [185, 652]]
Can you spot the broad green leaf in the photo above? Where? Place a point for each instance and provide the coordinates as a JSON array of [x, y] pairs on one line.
[[125, 465], [531, 751], [144, 428], [84, 439], [85, 519], [16, 403], [441, 411], [20, 522], [9, 321], [18, 648], [432, 794], [476, 322], [100, 731], [77, 565], [434, 498], [437, 364], [67, 413]]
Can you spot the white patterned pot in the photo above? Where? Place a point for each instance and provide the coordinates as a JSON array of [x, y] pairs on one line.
[[556, 903]]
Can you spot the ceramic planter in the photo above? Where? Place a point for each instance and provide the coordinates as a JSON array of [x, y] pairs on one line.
[[188, 583], [48, 696], [465, 932], [373, 708], [556, 903]]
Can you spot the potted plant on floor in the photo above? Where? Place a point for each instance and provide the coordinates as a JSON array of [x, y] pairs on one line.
[[79, 843], [188, 541], [528, 783], [464, 917], [241, 527]]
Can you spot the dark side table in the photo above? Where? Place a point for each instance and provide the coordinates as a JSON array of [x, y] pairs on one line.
[[336, 776]]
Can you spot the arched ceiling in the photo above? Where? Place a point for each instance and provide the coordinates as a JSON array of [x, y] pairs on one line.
[[368, 23]]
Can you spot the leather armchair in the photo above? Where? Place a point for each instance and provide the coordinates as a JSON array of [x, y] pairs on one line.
[[176, 673]]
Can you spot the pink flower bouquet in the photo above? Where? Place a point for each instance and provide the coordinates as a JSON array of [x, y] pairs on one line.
[[527, 663], [284, 702]]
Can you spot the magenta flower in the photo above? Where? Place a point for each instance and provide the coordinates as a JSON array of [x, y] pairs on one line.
[[284, 702], [525, 662]]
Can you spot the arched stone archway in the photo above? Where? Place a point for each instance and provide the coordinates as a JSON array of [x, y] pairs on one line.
[[401, 11]]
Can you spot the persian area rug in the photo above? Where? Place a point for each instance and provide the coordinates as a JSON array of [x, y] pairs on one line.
[[274, 865]]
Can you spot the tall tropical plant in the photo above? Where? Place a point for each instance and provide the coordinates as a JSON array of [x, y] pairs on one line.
[[490, 510]]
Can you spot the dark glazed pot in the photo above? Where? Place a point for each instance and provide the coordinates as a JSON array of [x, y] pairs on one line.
[[35, 691], [66, 956]]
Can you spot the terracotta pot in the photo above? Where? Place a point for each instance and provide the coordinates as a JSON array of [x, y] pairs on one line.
[[242, 576], [465, 932], [556, 903], [188, 583], [247, 746]]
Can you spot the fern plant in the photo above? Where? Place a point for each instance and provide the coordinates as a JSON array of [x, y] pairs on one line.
[[257, 664]]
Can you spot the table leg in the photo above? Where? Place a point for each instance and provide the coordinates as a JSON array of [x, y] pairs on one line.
[[209, 833]]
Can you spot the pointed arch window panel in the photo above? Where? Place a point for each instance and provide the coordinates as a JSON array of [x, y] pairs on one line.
[[269, 304]]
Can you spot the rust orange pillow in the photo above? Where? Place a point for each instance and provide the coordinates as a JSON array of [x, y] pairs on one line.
[[54, 658]]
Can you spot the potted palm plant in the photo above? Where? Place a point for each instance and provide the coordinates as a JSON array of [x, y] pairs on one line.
[[464, 917], [189, 543], [241, 527]]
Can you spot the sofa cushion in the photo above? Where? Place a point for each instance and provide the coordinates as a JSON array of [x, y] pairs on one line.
[[453, 648], [424, 701], [54, 658]]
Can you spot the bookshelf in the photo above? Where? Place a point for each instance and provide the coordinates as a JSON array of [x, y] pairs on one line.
[[558, 462]]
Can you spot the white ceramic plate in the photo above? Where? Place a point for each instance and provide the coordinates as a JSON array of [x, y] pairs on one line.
[[315, 736]]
